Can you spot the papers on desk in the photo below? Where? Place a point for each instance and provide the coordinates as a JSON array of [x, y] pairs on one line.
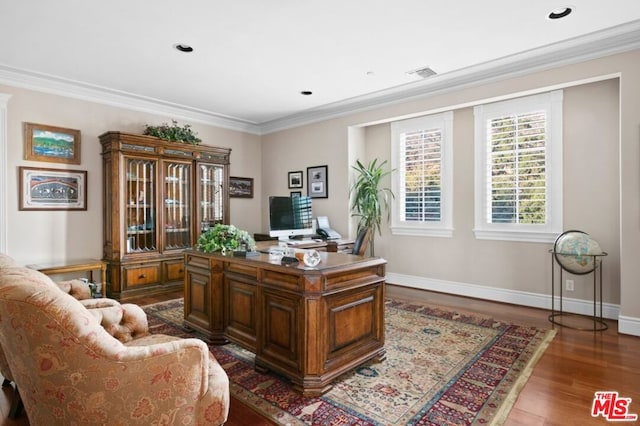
[[300, 242]]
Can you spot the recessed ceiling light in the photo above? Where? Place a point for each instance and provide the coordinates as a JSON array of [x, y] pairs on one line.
[[560, 13], [306, 92], [184, 48]]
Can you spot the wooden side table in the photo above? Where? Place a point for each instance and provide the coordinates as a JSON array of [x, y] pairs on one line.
[[79, 265]]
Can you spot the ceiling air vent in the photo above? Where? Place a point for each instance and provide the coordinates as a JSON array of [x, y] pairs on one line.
[[422, 72]]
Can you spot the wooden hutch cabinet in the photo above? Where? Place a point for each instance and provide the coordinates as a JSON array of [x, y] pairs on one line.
[[158, 197]]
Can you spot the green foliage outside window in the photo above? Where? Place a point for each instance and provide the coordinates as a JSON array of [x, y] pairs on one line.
[[518, 169]]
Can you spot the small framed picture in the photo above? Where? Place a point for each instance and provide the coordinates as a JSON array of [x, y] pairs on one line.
[[295, 179], [241, 187], [317, 182], [52, 189], [295, 194], [51, 144]]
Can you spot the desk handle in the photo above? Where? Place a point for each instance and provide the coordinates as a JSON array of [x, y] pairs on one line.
[[142, 276]]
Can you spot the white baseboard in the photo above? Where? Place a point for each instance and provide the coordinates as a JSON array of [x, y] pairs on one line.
[[629, 325], [626, 325]]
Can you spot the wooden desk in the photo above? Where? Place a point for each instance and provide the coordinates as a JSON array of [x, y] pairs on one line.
[[80, 265], [308, 324]]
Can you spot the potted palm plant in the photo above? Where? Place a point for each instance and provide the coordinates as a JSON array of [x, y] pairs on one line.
[[369, 199]]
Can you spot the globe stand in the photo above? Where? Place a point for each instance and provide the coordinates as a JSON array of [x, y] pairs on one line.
[[597, 320]]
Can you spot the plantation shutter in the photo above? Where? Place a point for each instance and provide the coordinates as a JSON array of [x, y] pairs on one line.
[[421, 180], [516, 168]]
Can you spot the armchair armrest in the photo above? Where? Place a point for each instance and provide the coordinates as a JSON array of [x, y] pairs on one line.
[[159, 347], [155, 374], [76, 288]]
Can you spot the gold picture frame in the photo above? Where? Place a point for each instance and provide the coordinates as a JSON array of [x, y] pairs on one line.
[[51, 144], [52, 189]]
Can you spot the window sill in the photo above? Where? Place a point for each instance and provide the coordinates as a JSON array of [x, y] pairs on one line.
[[422, 232], [520, 236]]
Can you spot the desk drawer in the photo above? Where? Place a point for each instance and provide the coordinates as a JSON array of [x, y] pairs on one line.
[[246, 270], [139, 275]]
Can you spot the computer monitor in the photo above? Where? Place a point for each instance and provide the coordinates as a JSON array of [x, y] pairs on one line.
[[290, 216]]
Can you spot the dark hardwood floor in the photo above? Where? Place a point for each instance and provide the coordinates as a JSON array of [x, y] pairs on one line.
[[560, 390]]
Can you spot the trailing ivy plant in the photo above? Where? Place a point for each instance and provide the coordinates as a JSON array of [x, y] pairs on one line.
[[368, 198], [173, 133]]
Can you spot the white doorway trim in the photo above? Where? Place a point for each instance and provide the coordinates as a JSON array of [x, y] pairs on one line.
[[4, 100]]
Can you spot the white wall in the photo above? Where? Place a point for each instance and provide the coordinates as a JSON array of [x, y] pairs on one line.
[[309, 146], [590, 182], [601, 158], [42, 236]]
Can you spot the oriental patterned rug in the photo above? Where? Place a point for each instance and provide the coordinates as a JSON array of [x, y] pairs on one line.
[[441, 368]]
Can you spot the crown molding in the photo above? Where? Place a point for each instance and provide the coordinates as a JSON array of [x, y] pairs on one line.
[[58, 86], [619, 39]]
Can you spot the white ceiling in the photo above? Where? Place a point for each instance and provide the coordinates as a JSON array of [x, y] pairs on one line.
[[252, 58]]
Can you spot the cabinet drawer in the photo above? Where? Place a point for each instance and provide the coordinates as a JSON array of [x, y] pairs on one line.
[[174, 270], [142, 275]]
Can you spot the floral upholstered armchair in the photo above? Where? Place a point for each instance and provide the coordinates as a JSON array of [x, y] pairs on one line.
[[70, 370]]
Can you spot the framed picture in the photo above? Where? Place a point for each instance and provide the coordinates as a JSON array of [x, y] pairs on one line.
[[295, 194], [241, 187], [317, 182], [52, 189], [51, 144], [295, 179]]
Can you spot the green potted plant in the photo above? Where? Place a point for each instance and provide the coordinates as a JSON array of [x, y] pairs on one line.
[[369, 199], [225, 239], [173, 133]]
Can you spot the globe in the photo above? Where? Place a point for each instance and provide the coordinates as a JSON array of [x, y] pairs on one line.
[[312, 258], [574, 252]]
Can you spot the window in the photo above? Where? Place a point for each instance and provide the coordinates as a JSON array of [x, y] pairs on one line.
[[518, 193], [422, 157]]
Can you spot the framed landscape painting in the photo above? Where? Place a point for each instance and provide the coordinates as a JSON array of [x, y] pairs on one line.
[[52, 144], [52, 189], [240, 187]]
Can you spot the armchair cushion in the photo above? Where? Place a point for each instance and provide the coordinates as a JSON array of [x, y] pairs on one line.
[[125, 322]]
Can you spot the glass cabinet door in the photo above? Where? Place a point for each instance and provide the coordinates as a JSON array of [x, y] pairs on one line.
[[140, 215], [177, 205], [210, 193]]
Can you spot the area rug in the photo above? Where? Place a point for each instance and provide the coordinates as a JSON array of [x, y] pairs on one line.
[[441, 368]]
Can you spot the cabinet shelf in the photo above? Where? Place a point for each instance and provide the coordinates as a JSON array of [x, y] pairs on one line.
[[141, 232], [177, 230]]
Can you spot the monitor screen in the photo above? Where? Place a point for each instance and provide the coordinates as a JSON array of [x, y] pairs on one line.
[[290, 216]]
